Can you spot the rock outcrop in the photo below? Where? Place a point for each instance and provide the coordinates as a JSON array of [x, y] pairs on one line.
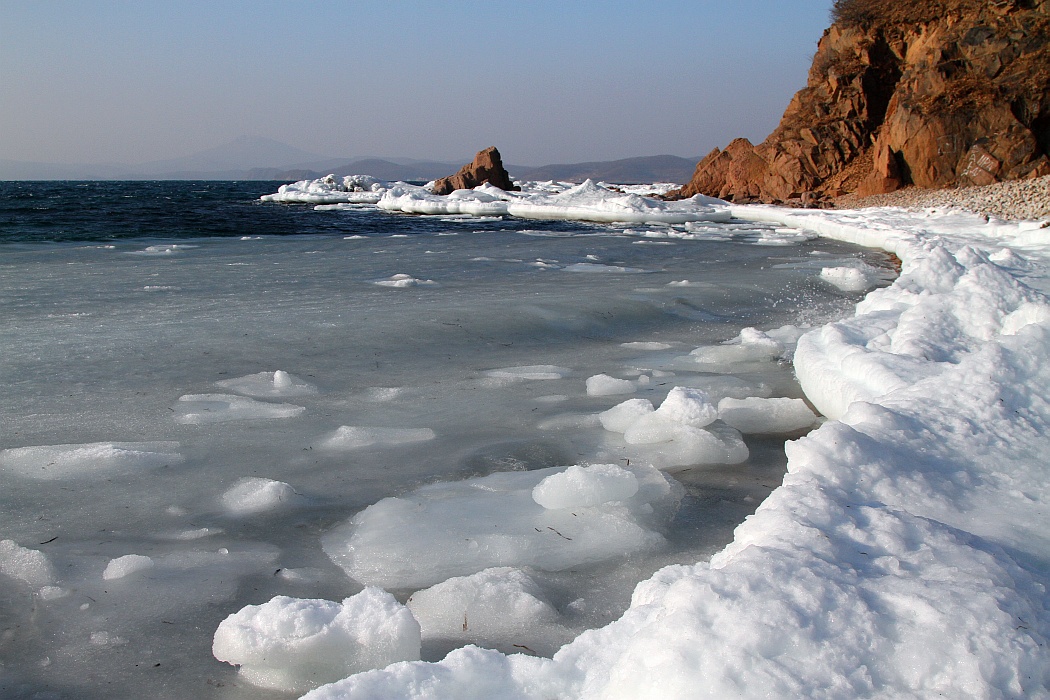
[[487, 166], [933, 93]]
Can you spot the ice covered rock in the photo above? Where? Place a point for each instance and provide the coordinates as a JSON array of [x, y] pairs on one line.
[[47, 462], [758, 415], [29, 566], [254, 494], [500, 607], [459, 528], [200, 409], [264, 385], [294, 644], [126, 565], [352, 437]]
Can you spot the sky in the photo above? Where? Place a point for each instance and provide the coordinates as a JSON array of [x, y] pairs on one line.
[[546, 82]]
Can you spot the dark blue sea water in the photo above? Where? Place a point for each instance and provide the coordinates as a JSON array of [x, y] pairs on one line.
[[101, 211]]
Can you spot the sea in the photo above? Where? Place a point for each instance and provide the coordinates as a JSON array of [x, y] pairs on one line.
[[180, 358]]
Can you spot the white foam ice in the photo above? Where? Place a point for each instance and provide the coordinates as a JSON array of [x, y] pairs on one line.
[[201, 409], [268, 385], [53, 462], [294, 644], [459, 528]]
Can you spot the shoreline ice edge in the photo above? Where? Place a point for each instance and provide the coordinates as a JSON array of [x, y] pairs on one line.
[[905, 553]]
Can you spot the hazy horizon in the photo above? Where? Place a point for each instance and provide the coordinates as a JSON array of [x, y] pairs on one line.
[[545, 82]]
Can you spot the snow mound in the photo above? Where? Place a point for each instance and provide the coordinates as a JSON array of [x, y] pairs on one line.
[[294, 644], [50, 462], [352, 437], [200, 409], [265, 385], [254, 495], [459, 528], [126, 565], [30, 566]]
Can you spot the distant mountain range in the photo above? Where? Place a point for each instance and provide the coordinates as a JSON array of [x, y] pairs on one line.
[[257, 158]]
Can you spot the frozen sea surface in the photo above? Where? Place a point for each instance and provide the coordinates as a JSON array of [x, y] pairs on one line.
[[191, 416]]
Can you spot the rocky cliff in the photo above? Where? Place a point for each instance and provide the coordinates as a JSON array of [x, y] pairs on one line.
[[487, 166], [933, 93]]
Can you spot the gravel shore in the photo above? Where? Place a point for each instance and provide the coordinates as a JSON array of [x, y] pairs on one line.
[[1015, 200]]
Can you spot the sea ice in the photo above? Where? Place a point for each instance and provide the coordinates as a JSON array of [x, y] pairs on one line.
[[757, 415], [530, 372], [459, 528], [403, 281], [47, 462], [584, 487], [199, 409], [604, 385], [294, 644], [501, 608]]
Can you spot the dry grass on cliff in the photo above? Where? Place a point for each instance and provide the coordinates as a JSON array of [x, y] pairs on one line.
[[891, 12]]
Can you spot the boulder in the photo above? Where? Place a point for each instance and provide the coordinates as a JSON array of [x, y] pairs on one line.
[[935, 93], [487, 166]]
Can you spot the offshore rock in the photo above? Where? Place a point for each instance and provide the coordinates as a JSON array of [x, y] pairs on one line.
[[933, 93], [487, 166]]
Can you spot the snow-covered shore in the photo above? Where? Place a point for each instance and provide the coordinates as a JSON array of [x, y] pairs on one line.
[[906, 553]]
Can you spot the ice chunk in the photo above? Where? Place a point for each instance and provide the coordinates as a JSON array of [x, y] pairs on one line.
[[269, 385], [459, 528], [621, 416], [46, 462], [126, 565], [530, 372], [352, 437], [29, 566], [199, 409], [294, 644], [402, 281], [604, 385], [687, 406], [583, 487], [850, 279], [757, 415], [500, 607], [254, 494]]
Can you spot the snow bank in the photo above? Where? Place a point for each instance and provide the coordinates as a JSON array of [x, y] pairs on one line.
[[454, 529], [904, 554], [293, 644]]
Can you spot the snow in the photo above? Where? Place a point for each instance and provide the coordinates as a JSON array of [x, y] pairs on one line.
[[904, 554], [126, 565], [29, 566]]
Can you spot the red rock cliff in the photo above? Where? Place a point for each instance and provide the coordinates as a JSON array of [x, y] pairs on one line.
[[487, 166], [935, 93]]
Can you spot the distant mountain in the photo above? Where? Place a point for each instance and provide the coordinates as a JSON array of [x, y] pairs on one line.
[[258, 158], [625, 171]]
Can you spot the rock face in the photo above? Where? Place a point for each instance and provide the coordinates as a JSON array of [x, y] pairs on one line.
[[487, 166], [933, 93]]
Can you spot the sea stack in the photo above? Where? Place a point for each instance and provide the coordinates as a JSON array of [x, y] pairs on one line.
[[932, 93], [487, 166]]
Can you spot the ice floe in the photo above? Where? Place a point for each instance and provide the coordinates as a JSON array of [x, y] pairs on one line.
[[200, 409], [47, 462]]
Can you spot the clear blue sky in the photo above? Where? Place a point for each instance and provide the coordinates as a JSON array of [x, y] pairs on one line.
[[566, 81]]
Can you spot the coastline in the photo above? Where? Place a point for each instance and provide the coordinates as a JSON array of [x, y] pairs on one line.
[[1016, 200]]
